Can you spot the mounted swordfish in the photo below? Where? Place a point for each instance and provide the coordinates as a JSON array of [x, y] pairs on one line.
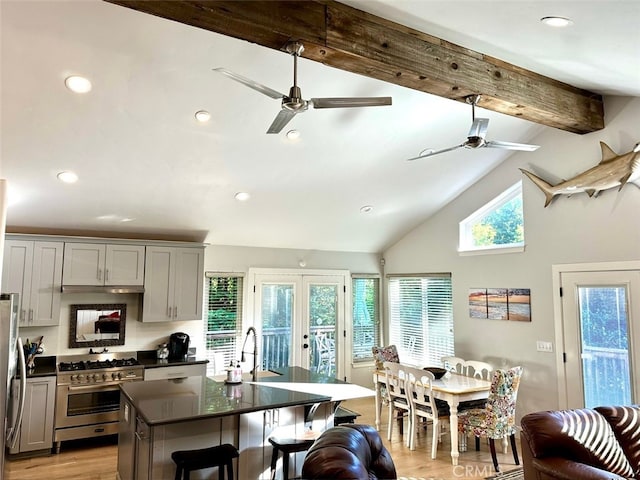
[[613, 170]]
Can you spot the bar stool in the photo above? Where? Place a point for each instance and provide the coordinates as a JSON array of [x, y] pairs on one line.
[[287, 446], [219, 456]]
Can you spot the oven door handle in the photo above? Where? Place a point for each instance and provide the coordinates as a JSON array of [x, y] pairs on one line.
[[95, 386]]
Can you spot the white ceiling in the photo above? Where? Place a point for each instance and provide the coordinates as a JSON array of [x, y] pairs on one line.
[[140, 154]]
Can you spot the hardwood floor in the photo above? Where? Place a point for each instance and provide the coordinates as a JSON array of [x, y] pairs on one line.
[[97, 460]]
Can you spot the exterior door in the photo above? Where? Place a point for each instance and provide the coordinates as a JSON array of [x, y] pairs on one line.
[[298, 318], [600, 311]]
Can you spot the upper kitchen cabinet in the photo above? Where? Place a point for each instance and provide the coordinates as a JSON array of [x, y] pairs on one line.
[[100, 264], [173, 286], [33, 269]]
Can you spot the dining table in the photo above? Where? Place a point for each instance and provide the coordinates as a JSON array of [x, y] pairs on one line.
[[453, 388]]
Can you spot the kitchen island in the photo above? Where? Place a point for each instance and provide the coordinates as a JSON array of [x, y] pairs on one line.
[[161, 416]]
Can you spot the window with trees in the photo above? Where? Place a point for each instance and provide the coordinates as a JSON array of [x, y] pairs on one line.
[[421, 317], [224, 319], [366, 316], [498, 225]]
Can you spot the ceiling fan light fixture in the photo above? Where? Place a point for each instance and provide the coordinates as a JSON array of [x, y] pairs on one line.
[[203, 116], [78, 84], [557, 21], [67, 177], [242, 196]]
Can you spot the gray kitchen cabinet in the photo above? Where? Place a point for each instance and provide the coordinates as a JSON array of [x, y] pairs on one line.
[[36, 430], [33, 269], [174, 281], [103, 264]]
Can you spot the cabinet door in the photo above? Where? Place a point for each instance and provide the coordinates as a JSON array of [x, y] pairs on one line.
[[124, 265], [159, 285], [46, 280], [143, 450], [83, 264], [189, 283], [16, 273], [36, 432]]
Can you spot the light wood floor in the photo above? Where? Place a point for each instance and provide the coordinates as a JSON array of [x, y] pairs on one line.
[[97, 460]]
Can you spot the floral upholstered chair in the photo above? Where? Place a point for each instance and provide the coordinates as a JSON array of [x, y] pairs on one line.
[[385, 354], [497, 419]]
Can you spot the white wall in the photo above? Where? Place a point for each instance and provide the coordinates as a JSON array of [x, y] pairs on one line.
[[571, 230]]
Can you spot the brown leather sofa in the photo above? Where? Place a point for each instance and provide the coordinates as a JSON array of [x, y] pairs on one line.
[[602, 443], [350, 451]]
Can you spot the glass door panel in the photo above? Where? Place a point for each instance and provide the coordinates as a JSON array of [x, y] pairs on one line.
[[277, 312], [604, 345], [323, 311]]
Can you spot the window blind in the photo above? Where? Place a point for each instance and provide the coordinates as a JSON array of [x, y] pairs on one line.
[[421, 318], [366, 316], [224, 319]]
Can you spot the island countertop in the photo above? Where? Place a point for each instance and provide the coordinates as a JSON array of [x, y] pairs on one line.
[[161, 402]]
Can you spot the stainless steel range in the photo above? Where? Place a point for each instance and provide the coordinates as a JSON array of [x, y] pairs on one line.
[[88, 393]]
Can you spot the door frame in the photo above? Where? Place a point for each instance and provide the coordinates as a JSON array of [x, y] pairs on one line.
[[557, 271], [342, 331]]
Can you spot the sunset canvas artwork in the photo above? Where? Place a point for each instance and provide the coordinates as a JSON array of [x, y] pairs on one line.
[[500, 304]]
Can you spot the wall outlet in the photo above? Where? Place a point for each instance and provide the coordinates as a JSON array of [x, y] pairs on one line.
[[543, 346]]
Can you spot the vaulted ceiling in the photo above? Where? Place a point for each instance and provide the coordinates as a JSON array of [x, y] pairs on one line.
[[147, 167]]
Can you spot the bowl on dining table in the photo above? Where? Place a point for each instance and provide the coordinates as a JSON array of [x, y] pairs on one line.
[[438, 372]]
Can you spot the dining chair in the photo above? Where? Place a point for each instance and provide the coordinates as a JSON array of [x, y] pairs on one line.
[[497, 419], [478, 369], [422, 405], [453, 364], [397, 400]]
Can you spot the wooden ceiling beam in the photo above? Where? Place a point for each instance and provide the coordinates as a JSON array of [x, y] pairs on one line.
[[351, 40]]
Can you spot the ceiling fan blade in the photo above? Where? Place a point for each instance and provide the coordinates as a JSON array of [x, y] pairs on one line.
[[432, 153], [512, 146], [250, 83], [479, 128], [281, 120], [350, 102]]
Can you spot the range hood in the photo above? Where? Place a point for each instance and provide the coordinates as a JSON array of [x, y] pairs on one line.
[[102, 289]]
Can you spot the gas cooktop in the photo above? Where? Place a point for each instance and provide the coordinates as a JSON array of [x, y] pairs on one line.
[[97, 364]]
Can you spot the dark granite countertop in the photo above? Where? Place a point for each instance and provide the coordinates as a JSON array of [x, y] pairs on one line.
[[44, 367], [148, 359], [195, 398]]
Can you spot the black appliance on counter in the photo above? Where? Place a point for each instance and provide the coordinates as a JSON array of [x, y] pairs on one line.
[[178, 346]]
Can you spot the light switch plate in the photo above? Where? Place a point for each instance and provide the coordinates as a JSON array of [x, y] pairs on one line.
[[542, 346]]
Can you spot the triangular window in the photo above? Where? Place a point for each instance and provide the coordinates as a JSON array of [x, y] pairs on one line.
[[497, 227]]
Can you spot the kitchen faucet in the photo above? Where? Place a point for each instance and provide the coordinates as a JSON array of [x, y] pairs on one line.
[[254, 372]]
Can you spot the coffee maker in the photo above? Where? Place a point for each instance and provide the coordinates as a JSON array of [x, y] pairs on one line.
[[178, 346]]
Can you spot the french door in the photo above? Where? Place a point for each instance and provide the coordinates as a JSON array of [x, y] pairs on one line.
[[300, 319], [600, 315]]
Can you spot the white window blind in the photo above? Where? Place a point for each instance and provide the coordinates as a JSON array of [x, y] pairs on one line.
[[224, 319], [421, 318], [366, 316]]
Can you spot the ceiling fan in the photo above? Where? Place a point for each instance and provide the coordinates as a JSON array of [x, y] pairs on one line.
[[293, 103], [476, 136]]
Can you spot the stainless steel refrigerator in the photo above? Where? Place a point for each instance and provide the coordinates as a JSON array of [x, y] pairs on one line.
[[12, 365]]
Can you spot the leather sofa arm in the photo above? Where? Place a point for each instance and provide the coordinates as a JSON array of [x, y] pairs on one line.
[[562, 469]]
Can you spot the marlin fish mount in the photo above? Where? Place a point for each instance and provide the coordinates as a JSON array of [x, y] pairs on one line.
[[613, 170]]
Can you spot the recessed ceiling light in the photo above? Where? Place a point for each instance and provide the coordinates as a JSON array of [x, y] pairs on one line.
[[203, 116], [557, 21], [293, 134], [366, 209], [67, 177], [242, 196], [78, 84]]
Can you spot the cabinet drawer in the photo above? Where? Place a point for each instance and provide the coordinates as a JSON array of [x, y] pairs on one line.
[[177, 371]]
